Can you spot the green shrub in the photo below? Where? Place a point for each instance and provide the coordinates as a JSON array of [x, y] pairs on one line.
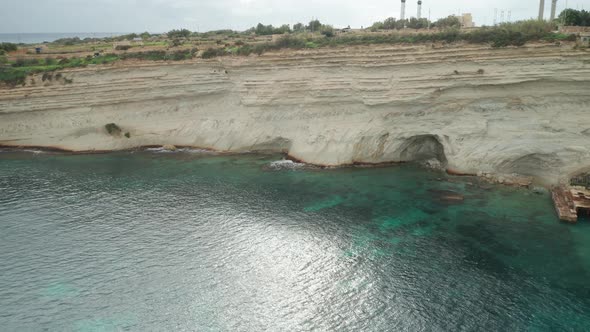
[[150, 55], [176, 42], [122, 47], [128, 135], [213, 52], [47, 76], [68, 41], [50, 61], [183, 33], [8, 47], [104, 59], [180, 55], [13, 77], [113, 129], [311, 45], [327, 30], [289, 42], [25, 62], [245, 50]]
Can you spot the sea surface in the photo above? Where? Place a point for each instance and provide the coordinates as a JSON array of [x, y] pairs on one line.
[[153, 241], [34, 38]]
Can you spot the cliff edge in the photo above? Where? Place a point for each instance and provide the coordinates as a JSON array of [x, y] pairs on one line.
[[475, 109]]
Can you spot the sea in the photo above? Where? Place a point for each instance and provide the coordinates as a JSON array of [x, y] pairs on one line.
[[194, 241], [37, 38]]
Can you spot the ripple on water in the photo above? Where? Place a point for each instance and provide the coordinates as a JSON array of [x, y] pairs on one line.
[[185, 241]]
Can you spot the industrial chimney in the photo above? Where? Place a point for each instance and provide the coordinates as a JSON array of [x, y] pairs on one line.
[[419, 16], [541, 10], [553, 7], [402, 15]]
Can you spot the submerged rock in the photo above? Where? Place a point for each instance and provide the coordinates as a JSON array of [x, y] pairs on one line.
[[447, 196], [169, 147]]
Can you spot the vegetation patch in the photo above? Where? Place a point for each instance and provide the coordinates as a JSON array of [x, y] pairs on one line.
[[575, 17], [503, 35], [301, 36], [161, 55], [7, 47], [113, 129]]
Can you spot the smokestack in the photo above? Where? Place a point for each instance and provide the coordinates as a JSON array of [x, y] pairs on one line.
[[553, 7], [419, 16], [403, 12], [541, 10]]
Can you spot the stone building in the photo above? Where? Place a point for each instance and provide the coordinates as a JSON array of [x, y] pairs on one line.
[[466, 20]]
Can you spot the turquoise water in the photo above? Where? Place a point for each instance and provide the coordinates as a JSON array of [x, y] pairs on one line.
[[189, 242]]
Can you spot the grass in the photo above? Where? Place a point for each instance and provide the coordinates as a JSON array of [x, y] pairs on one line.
[[15, 73], [161, 55]]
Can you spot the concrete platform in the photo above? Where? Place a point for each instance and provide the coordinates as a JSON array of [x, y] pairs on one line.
[[570, 201]]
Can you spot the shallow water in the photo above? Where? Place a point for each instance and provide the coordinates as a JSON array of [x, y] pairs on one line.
[[153, 241]]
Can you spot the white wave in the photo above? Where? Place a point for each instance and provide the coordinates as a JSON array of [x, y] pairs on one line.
[[285, 164], [159, 150], [33, 151], [181, 150], [191, 150]]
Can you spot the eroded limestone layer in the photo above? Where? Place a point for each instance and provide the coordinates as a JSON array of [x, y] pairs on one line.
[[475, 109]]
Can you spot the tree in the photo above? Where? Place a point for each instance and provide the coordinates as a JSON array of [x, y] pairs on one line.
[[400, 24], [570, 17], [314, 26], [415, 23], [575, 17], [131, 36], [298, 27], [145, 35], [389, 23], [448, 22], [285, 28], [263, 30], [377, 26], [184, 33]]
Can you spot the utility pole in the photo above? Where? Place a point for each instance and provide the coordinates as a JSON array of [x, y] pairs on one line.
[[553, 9], [565, 15], [495, 16]]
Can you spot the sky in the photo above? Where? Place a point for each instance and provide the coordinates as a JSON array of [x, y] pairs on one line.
[[30, 16]]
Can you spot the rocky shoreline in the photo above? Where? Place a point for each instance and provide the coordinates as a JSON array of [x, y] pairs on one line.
[[522, 119]]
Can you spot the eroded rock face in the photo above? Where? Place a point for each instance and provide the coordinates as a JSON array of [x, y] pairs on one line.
[[527, 114]]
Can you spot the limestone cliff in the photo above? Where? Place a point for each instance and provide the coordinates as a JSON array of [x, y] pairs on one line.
[[475, 109]]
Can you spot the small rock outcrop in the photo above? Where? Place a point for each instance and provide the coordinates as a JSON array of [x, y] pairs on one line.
[[169, 147]]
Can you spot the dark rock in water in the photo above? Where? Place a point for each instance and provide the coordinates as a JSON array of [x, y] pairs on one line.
[[453, 198], [447, 196]]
